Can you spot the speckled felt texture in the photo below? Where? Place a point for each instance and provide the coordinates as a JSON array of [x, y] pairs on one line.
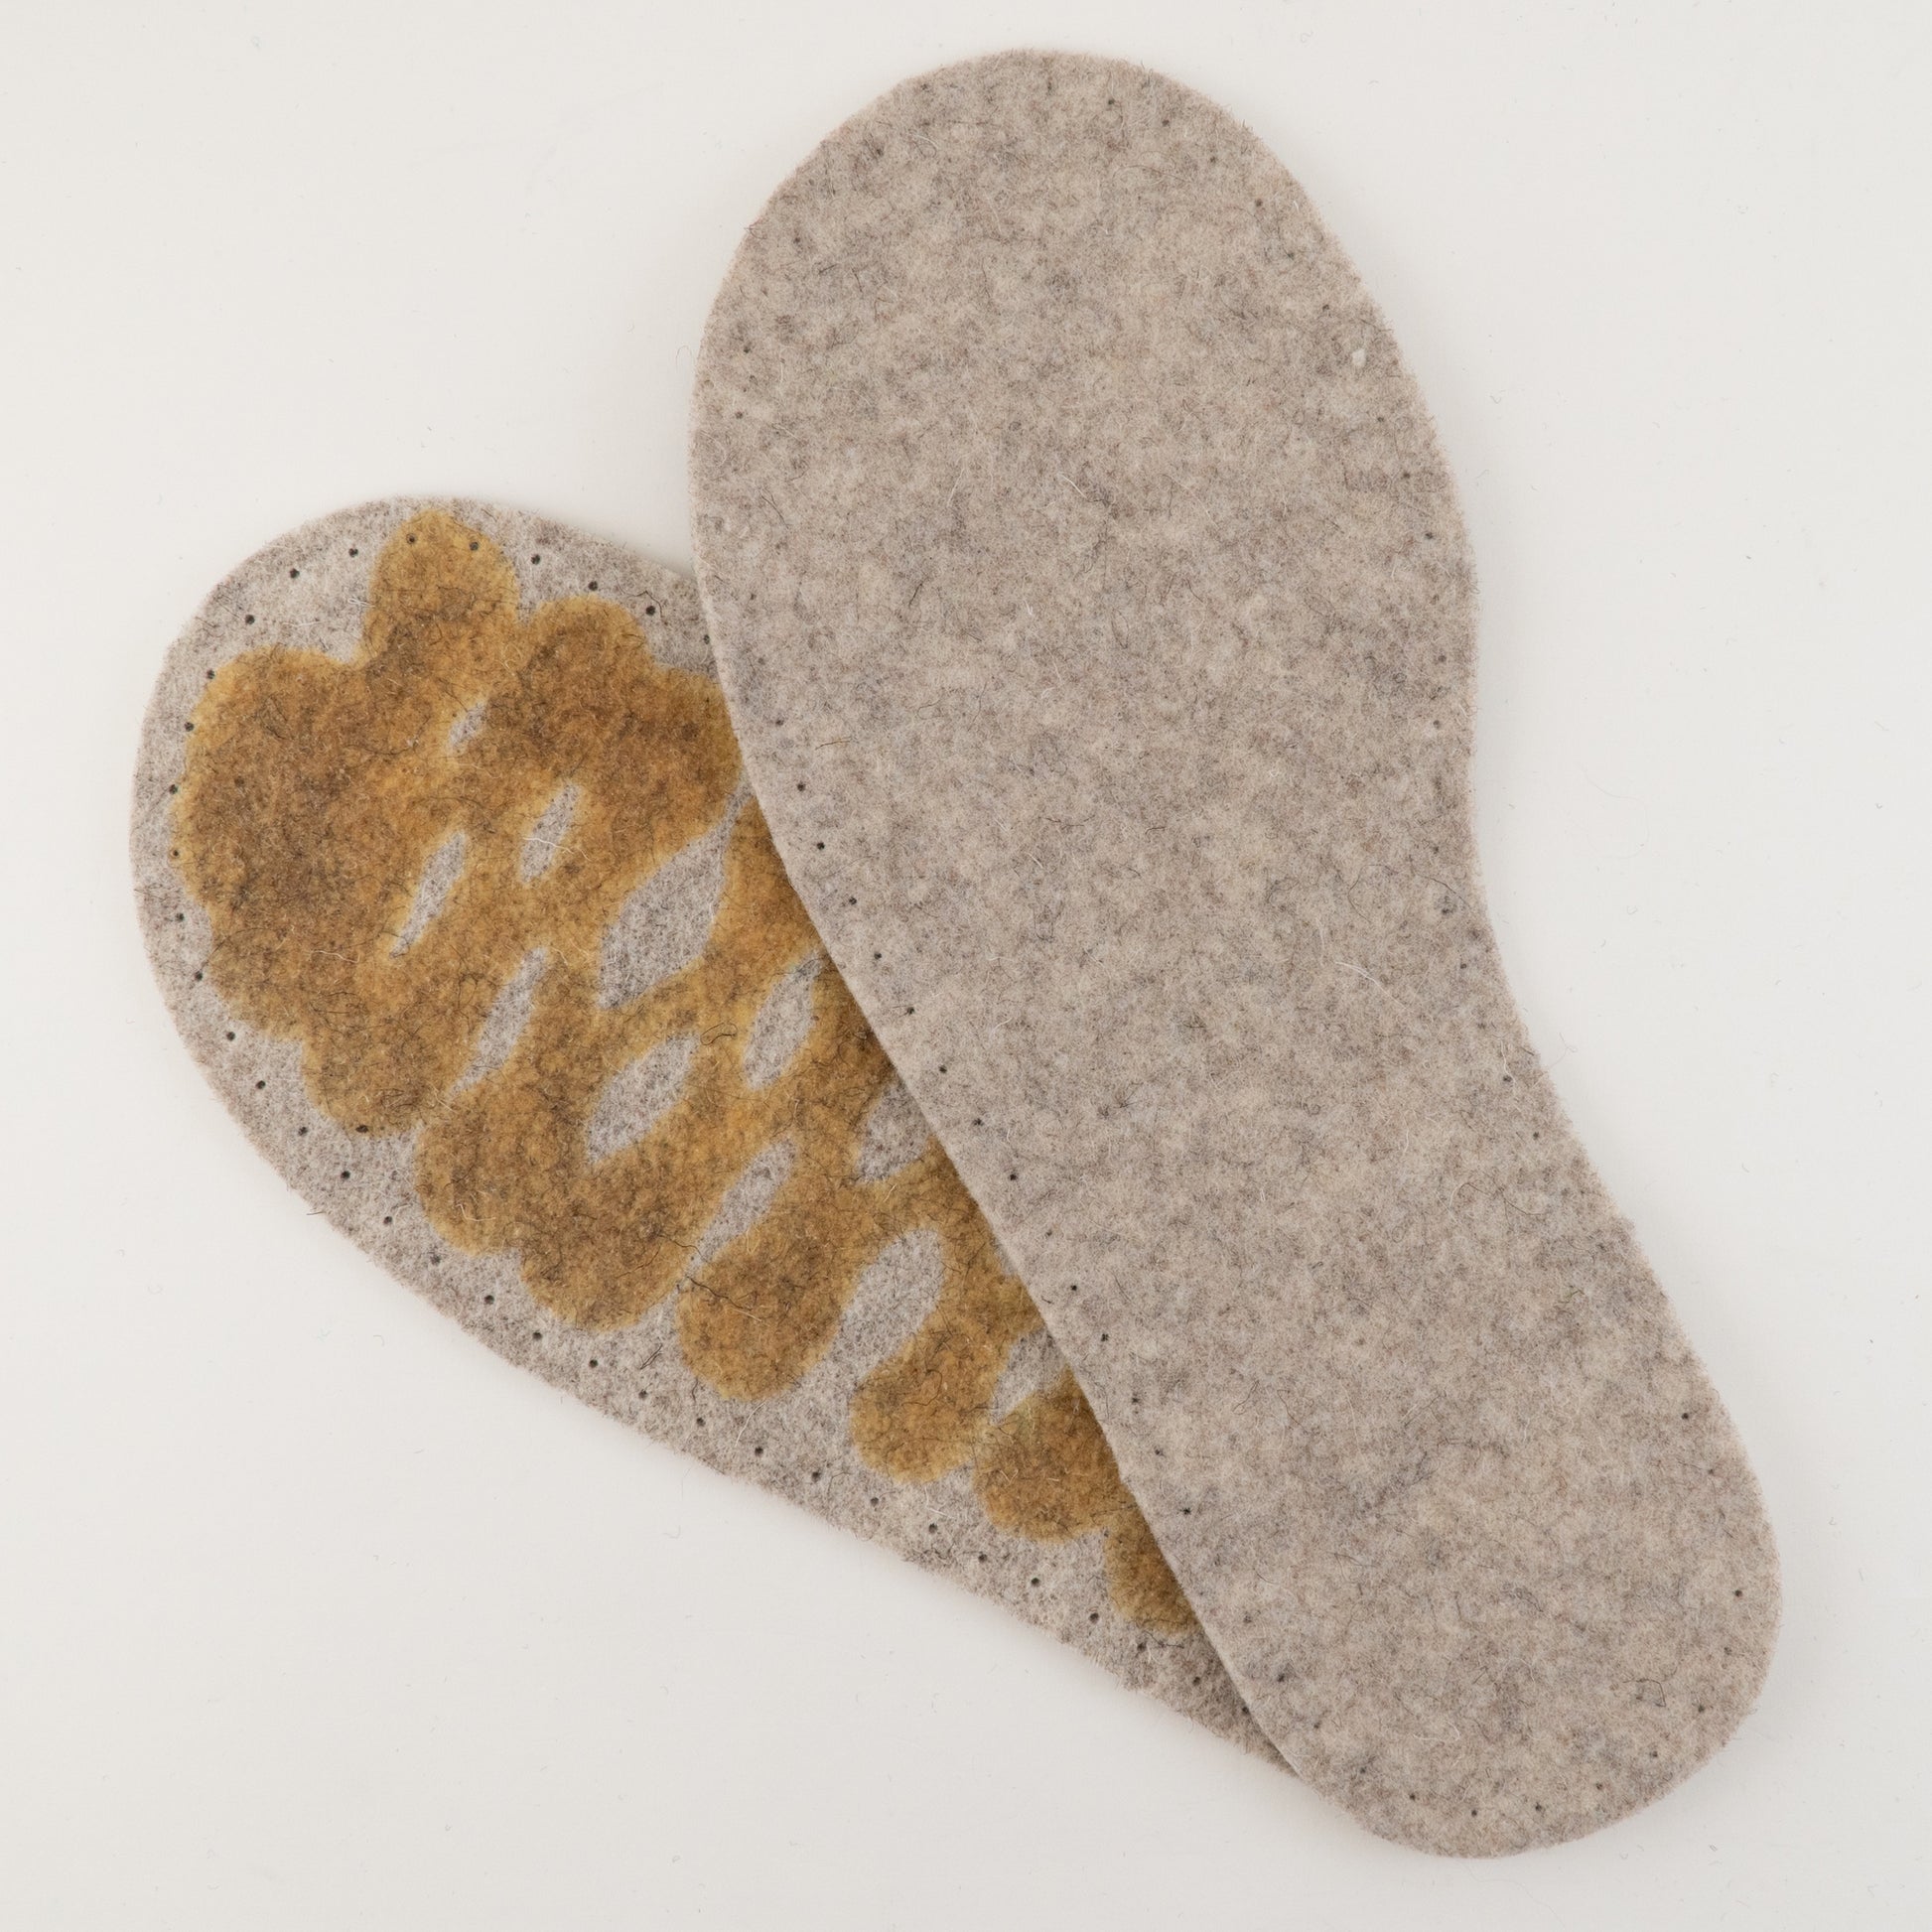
[[1096, 615], [452, 883]]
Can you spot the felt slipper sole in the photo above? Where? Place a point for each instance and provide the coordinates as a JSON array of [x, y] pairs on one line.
[[1095, 613], [449, 880]]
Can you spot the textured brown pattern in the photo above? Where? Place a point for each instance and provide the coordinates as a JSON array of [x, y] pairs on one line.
[[314, 792], [1095, 611], [1047, 1471], [315, 797]]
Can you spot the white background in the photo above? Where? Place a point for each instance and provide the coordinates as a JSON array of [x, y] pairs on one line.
[[315, 1614]]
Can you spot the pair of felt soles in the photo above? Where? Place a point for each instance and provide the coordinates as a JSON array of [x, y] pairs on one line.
[[1055, 1107]]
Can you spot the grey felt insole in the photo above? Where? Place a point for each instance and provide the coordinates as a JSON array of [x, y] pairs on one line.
[[1096, 614], [304, 602]]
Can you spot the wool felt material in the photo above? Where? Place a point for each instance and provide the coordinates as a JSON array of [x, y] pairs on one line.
[[1096, 615], [452, 883]]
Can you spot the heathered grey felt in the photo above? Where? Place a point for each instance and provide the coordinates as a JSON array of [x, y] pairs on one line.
[[309, 590], [1098, 623]]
